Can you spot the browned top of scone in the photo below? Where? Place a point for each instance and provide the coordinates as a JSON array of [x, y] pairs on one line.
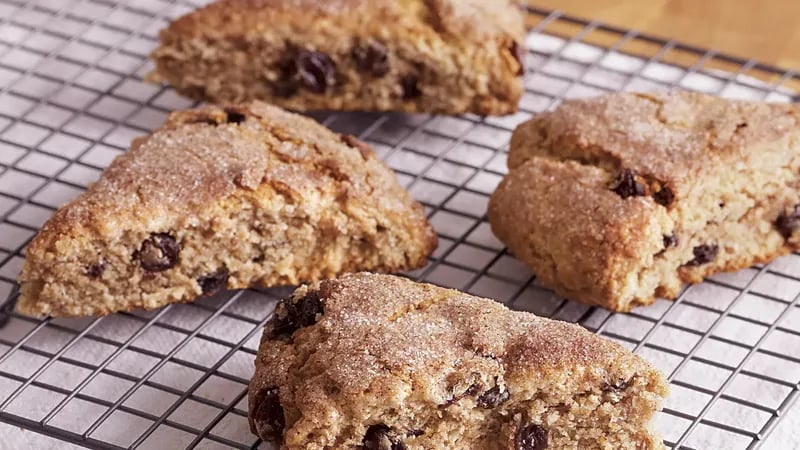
[[414, 324], [468, 20], [199, 157], [673, 137], [383, 339]]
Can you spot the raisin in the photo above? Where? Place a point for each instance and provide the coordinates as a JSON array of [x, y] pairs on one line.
[[786, 223], [458, 392], [626, 185], [315, 70], [664, 197], [703, 254], [268, 414], [372, 58], [670, 241], [381, 437], [493, 398], [292, 314], [519, 55], [410, 85], [234, 116], [96, 270], [158, 253], [213, 282], [472, 390], [532, 437], [618, 386]]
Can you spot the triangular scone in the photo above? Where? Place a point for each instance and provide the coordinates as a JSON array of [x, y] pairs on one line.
[[216, 198], [432, 56], [618, 199], [381, 362]]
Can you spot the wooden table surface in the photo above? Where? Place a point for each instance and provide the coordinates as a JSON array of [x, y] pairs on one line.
[[766, 30]]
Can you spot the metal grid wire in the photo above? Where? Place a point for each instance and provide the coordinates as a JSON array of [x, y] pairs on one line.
[[72, 97]]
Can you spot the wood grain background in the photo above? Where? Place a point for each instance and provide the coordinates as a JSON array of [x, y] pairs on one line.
[[766, 30]]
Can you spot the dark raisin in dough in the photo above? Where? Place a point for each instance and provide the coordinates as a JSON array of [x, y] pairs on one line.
[[268, 413], [291, 315], [315, 70], [410, 86], [664, 197], [159, 252], [96, 270], [703, 254], [788, 222], [626, 185], [213, 282], [493, 398], [372, 59], [381, 437], [532, 437], [234, 116], [472, 390], [617, 386], [670, 241]]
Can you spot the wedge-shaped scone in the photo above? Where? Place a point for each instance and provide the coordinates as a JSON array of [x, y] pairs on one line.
[[617, 199], [216, 198], [381, 362], [433, 56]]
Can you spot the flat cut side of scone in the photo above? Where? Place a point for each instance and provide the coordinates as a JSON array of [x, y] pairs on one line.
[[223, 198], [372, 361], [431, 56], [616, 200]]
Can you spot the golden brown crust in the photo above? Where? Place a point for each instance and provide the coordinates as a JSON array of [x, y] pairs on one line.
[[712, 172], [472, 20], [413, 357], [676, 138], [265, 179], [449, 56]]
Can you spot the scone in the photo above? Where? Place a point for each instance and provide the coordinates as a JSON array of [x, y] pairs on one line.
[[381, 362], [615, 200], [223, 198], [431, 56]]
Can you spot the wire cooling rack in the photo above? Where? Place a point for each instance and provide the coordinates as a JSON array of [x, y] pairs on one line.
[[71, 99]]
